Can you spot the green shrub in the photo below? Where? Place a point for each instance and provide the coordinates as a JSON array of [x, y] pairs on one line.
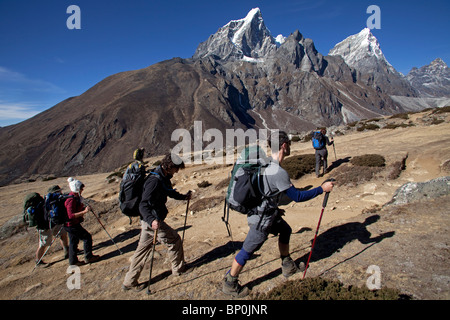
[[323, 289], [355, 175], [441, 110], [298, 166], [369, 160], [403, 116], [368, 126]]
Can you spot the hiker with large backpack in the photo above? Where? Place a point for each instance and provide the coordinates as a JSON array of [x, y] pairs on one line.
[[54, 218], [75, 213], [320, 142], [34, 216], [131, 186], [153, 211], [266, 217]]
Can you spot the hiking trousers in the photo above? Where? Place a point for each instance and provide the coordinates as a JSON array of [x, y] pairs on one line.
[[168, 237], [321, 154], [77, 233]]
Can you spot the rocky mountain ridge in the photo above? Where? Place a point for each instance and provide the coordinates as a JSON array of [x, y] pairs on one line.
[[432, 80], [362, 51], [241, 77]]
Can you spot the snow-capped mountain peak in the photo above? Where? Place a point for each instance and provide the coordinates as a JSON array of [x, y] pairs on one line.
[[280, 39], [431, 80], [362, 52], [242, 25], [240, 39], [358, 47]]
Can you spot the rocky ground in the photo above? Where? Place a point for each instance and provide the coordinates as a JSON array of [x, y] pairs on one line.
[[366, 223]]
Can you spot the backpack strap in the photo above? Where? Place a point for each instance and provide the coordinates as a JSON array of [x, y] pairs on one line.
[[158, 176]]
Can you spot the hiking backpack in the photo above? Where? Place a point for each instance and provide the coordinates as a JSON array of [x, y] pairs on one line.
[[318, 140], [131, 189], [33, 209], [55, 210], [244, 192]]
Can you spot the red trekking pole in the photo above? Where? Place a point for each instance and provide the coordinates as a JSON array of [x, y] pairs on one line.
[[324, 204]]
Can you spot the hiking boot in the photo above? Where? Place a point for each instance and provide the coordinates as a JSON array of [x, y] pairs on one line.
[[77, 264], [232, 287], [92, 259], [185, 269], [301, 267], [137, 288], [288, 267], [66, 253]]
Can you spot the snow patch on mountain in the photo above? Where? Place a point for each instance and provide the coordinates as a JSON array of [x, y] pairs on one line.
[[432, 80], [241, 39], [357, 48]]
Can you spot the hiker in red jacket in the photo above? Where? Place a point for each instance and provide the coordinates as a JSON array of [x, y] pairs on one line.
[[75, 212]]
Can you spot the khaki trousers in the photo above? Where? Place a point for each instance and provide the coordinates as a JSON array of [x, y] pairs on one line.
[[168, 237]]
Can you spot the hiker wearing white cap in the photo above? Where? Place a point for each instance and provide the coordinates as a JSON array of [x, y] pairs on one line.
[[75, 212]]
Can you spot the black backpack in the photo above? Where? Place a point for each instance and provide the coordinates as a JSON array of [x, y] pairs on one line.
[[55, 210], [131, 189], [33, 210]]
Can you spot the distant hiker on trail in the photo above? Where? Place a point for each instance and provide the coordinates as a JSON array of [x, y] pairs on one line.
[[131, 186], [278, 190], [320, 142], [75, 212], [153, 210], [47, 231]]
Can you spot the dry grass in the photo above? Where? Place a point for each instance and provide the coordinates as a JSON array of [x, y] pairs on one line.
[[322, 289], [369, 160], [206, 203], [298, 166]]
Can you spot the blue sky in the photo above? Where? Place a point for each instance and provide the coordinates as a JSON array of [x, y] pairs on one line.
[[42, 62]]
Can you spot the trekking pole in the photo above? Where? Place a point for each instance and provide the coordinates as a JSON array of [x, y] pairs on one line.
[[334, 148], [324, 204], [54, 238], [149, 291], [185, 220], [226, 217], [98, 219]]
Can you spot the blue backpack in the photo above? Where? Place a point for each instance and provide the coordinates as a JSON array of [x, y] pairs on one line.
[[55, 210], [318, 140]]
